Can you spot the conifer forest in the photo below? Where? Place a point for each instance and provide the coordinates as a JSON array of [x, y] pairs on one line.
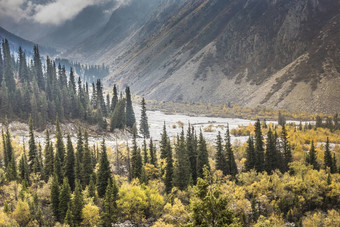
[[156, 113]]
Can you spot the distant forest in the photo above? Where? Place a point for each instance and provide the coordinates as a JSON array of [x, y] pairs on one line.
[[29, 88]]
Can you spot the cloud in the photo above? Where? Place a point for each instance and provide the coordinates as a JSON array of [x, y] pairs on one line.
[[53, 12]]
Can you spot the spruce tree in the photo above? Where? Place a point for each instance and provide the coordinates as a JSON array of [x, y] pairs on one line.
[[38, 68], [55, 196], [64, 199], [86, 161], [114, 98], [130, 115], [48, 151], [192, 152], [164, 143], [109, 211], [182, 164], [118, 116], [69, 163], [169, 168], [220, 159], [250, 155], [230, 155], [23, 168], [202, 156], [259, 150], [153, 155], [77, 204], [136, 160], [334, 166], [8, 68], [287, 154], [311, 157], [33, 152], [60, 152], [104, 171], [72, 81], [145, 152], [271, 162], [79, 157], [92, 189], [328, 156], [11, 169], [144, 125]]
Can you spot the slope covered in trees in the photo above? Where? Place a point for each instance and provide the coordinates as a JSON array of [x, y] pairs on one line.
[[45, 91]]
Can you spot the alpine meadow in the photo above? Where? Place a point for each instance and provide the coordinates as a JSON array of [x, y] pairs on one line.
[[164, 113]]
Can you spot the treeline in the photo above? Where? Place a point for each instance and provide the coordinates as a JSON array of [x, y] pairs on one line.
[[46, 94], [89, 73]]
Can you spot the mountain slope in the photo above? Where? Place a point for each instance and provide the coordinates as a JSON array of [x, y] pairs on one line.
[[15, 42], [281, 53]]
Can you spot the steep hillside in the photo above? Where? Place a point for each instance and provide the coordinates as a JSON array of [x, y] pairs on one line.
[[15, 42], [281, 53]]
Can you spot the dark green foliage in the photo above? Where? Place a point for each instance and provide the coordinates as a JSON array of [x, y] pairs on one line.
[[79, 157], [328, 156], [281, 119], [60, 153], [109, 211], [55, 196], [144, 125], [311, 157], [11, 168], [250, 155], [100, 103], [136, 160], [210, 207], [23, 168], [169, 168], [49, 157], [191, 146], [231, 164], [69, 164], [130, 115], [287, 153], [202, 156], [220, 159], [77, 204], [114, 98], [69, 216], [64, 199], [92, 189], [33, 151], [182, 165], [164, 143], [153, 155], [145, 152], [87, 169], [259, 150], [23, 69], [38, 68], [271, 158], [104, 171], [8, 68], [118, 117]]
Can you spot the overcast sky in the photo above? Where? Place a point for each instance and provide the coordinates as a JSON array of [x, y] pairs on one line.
[[51, 12]]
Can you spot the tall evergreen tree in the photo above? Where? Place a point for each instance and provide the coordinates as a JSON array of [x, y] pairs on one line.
[[60, 152], [49, 157], [33, 151], [169, 168], [145, 152], [130, 115], [259, 150], [23, 167], [328, 156], [182, 164], [144, 125], [164, 143], [77, 204], [118, 116], [69, 163], [311, 157], [79, 157], [72, 81], [136, 160], [192, 152], [23, 69], [250, 155], [55, 196], [271, 162], [114, 98], [202, 156], [64, 199], [11, 168], [153, 155], [287, 154], [38, 68], [220, 160], [86, 161], [334, 166], [230, 155], [109, 212], [8, 68], [104, 171]]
